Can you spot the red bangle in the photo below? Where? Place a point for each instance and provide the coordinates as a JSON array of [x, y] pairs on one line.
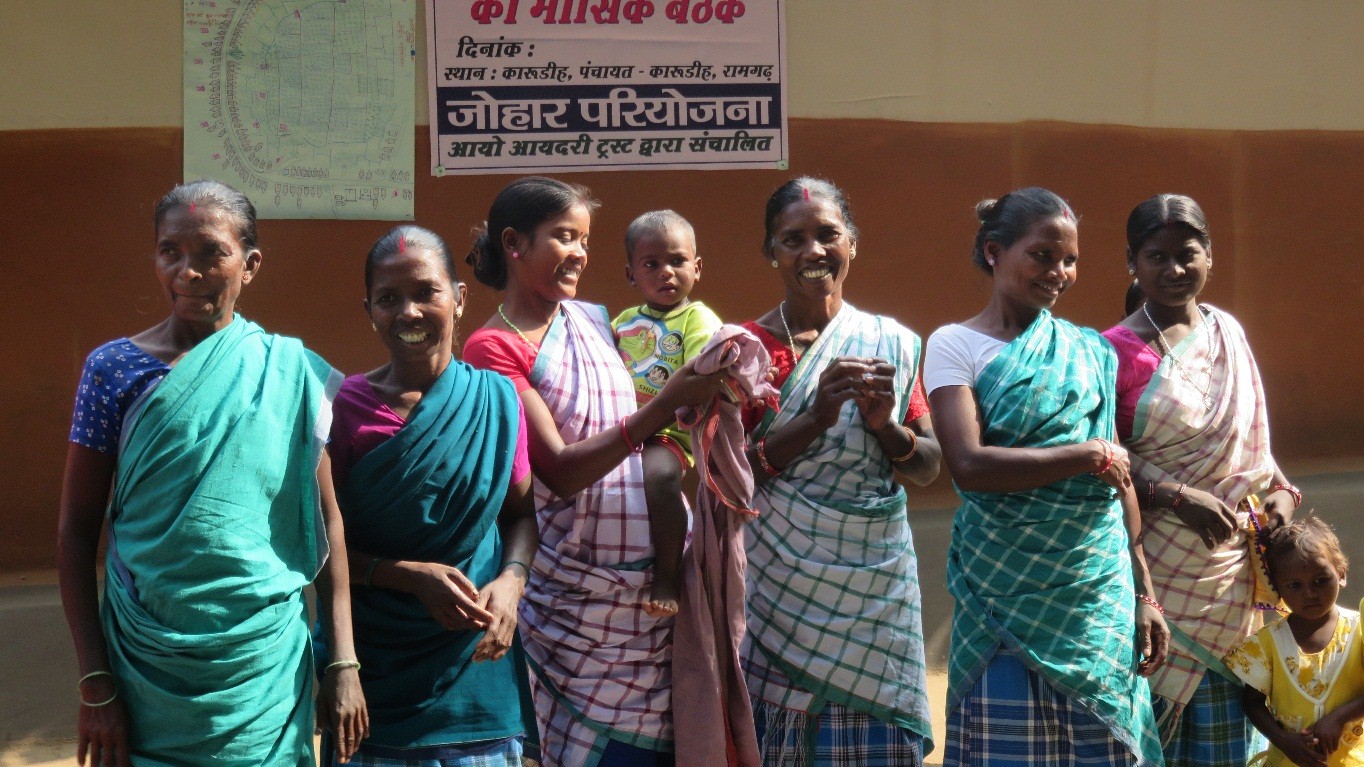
[[1293, 491], [1179, 497], [760, 450], [625, 433], [1148, 599], [1108, 458]]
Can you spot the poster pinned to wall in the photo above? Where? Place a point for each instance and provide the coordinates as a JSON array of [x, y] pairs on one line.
[[307, 106], [576, 85]]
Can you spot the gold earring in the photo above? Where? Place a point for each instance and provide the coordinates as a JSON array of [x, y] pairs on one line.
[[774, 263], [374, 327]]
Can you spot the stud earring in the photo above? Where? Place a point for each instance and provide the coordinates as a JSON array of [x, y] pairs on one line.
[[374, 326], [1131, 271], [774, 263], [991, 262]]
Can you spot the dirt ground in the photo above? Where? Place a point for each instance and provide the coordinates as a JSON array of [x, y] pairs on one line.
[[38, 670]]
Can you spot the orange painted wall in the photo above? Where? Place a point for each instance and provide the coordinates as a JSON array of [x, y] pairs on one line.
[[1284, 206]]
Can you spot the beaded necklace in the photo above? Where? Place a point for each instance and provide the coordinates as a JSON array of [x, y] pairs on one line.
[[1167, 350], [517, 330]]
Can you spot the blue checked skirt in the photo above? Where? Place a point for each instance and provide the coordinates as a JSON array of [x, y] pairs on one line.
[[1212, 730], [1013, 718], [842, 738], [504, 752]]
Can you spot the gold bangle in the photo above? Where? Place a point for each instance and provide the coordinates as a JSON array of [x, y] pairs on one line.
[[913, 448]]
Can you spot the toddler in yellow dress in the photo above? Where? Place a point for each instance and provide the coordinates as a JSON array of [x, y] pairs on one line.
[[1304, 673]]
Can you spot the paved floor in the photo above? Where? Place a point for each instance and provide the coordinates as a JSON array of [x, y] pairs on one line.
[[38, 671]]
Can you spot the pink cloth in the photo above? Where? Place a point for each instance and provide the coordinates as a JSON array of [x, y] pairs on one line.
[[712, 716], [1137, 362], [361, 422]]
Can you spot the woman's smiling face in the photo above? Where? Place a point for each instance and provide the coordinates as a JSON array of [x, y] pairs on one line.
[[414, 304], [1039, 266], [813, 247], [553, 258], [1172, 265]]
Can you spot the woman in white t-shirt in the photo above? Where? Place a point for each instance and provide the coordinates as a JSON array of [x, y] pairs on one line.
[[1047, 585]]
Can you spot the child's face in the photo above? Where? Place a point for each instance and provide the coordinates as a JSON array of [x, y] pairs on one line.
[[665, 267], [1309, 584]]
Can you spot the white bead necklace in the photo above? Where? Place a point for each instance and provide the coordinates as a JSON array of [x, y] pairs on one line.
[[1184, 372], [790, 339]]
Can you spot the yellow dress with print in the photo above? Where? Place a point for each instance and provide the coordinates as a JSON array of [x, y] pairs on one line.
[[1300, 687]]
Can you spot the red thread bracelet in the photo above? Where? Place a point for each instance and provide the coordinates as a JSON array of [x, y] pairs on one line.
[[760, 450], [1148, 599], [625, 433]]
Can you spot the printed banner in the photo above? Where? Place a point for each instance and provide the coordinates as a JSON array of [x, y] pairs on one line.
[[577, 85], [307, 106]]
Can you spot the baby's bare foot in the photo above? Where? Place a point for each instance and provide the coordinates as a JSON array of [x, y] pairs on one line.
[[661, 608]]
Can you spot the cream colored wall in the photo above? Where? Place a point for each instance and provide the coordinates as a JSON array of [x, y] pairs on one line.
[[1229, 64]]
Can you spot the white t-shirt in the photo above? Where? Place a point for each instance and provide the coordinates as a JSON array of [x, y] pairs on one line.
[[956, 355]]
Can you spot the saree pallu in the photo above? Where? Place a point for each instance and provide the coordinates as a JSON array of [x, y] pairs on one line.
[[833, 590], [1046, 573], [602, 664], [215, 528], [1202, 421], [433, 493]]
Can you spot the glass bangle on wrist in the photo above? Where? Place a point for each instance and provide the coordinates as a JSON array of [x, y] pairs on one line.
[[1108, 458], [1291, 490], [760, 450], [625, 433]]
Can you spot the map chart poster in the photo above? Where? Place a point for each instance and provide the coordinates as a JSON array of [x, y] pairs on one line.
[[579, 85], [306, 106]]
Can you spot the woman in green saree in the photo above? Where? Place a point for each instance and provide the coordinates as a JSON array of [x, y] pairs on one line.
[[203, 437], [1045, 563]]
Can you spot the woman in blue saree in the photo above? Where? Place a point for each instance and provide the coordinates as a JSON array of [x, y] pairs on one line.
[[210, 433], [1054, 624], [431, 470]]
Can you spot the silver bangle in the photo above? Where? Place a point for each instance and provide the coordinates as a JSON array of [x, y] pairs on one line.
[[111, 699], [355, 664]]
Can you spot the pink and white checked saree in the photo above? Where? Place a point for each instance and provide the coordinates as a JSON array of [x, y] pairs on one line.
[[601, 663], [1221, 448]]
